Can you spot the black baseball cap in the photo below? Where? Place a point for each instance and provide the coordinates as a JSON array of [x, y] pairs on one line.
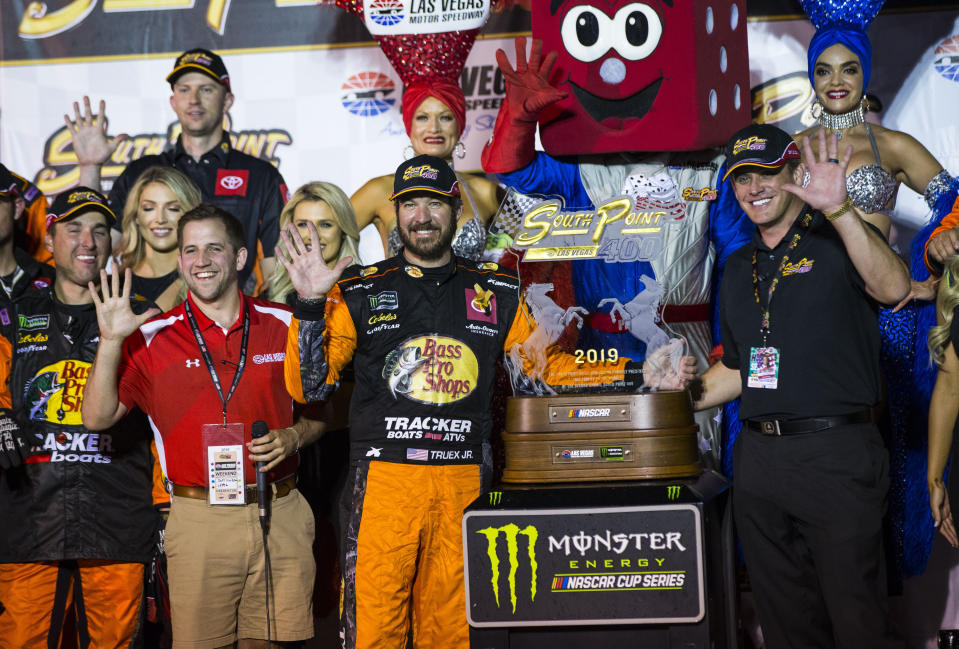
[[760, 145], [9, 184], [200, 60], [72, 202], [425, 173]]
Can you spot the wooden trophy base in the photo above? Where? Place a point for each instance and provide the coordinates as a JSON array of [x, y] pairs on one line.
[[600, 438]]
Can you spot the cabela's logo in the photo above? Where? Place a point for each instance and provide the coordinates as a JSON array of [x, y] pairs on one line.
[[55, 393], [431, 369], [511, 533]]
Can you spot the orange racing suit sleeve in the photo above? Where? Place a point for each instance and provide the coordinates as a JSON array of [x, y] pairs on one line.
[[320, 343], [948, 222]]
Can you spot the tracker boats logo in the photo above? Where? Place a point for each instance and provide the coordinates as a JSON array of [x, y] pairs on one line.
[[369, 93]]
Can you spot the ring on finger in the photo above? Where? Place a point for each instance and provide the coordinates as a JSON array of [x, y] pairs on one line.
[[835, 161]]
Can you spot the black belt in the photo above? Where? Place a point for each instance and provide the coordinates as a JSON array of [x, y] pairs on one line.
[[777, 427], [278, 489]]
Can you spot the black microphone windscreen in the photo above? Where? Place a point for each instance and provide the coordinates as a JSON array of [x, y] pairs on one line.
[[259, 429]]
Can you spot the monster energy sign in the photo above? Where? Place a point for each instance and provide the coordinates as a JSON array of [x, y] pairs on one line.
[[621, 565]]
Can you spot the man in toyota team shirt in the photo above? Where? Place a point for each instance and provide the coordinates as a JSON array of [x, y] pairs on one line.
[[249, 188]]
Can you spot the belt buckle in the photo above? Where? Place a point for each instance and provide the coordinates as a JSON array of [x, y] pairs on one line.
[[770, 427]]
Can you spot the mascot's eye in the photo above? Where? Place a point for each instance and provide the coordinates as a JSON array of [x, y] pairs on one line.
[[585, 32], [587, 29], [637, 30]]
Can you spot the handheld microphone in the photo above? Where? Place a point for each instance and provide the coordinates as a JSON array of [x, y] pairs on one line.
[[259, 429]]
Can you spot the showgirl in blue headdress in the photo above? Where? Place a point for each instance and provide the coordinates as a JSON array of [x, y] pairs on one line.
[[840, 62]]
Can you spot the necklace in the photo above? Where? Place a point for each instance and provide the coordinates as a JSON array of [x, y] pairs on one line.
[[842, 121]]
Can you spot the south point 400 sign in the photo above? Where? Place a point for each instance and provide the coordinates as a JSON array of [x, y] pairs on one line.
[[629, 565], [624, 280]]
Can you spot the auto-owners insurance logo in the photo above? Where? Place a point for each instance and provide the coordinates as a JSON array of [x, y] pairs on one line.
[[431, 369]]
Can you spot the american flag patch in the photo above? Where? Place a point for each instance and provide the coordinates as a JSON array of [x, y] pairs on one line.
[[419, 454]]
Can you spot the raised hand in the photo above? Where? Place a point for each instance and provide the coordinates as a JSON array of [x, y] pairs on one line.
[[114, 312], [528, 89], [826, 190], [89, 133], [310, 275]]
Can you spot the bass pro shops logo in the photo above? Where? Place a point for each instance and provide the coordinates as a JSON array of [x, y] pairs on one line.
[[432, 369], [511, 534], [55, 393]]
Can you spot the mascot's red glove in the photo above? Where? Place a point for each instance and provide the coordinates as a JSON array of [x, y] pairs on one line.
[[528, 91]]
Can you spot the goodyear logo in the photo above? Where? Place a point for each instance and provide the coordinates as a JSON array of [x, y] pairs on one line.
[[798, 268], [751, 143], [29, 322], [422, 171], [432, 369], [55, 393], [511, 534], [672, 491]]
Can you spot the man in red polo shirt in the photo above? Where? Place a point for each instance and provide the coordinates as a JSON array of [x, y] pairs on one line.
[[204, 372]]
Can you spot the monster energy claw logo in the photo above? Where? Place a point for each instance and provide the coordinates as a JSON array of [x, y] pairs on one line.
[[511, 532], [672, 491], [495, 498]]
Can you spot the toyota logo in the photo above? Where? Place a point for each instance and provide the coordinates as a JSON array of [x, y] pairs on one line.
[[231, 182]]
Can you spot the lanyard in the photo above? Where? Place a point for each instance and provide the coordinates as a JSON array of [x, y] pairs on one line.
[[205, 352], [796, 237]]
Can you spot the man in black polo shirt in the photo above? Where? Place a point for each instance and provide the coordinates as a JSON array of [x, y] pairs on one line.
[[801, 349], [247, 187]]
